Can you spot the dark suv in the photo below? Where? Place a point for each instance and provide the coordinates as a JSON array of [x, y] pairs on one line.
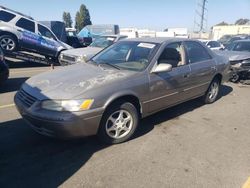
[[21, 32]]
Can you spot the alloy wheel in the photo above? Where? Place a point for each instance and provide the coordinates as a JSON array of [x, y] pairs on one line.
[[119, 124], [7, 44], [213, 91]]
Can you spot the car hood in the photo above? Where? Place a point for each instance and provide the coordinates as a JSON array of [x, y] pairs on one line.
[[233, 55], [72, 81], [87, 52]]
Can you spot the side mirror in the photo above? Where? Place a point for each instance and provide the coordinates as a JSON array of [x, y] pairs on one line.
[[162, 67], [208, 46]]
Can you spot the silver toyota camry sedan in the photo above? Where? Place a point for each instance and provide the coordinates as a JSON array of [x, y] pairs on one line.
[[128, 81]]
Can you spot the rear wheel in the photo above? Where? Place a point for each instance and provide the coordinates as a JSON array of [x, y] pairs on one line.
[[212, 92], [119, 123], [8, 43]]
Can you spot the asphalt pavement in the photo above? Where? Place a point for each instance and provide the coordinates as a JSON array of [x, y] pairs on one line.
[[190, 145]]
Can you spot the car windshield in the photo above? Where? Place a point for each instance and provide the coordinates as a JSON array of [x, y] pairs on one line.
[[128, 55], [103, 41]]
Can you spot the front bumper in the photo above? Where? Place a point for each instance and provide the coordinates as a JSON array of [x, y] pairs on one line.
[[60, 124]]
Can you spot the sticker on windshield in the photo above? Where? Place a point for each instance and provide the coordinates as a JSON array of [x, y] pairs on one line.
[[146, 45], [111, 39]]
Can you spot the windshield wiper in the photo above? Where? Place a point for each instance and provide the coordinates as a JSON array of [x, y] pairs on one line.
[[111, 65]]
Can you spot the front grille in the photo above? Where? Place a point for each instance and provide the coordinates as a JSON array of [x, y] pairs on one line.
[[26, 98], [68, 58], [246, 65]]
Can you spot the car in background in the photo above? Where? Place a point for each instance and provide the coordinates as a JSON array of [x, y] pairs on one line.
[[96, 30], [224, 39], [125, 82], [21, 32], [212, 44], [64, 34], [238, 53], [73, 40], [231, 38], [78, 55], [239, 45], [4, 69]]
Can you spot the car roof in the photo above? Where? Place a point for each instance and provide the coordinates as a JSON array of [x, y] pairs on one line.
[[159, 40], [243, 40], [16, 12], [113, 36]]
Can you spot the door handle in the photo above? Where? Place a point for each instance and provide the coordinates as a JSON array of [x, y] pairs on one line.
[[20, 30]]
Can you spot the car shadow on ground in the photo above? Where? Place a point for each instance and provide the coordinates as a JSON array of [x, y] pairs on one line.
[[12, 84], [30, 160], [175, 112]]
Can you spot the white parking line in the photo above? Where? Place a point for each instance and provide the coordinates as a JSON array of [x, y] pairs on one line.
[[7, 106], [29, 71]]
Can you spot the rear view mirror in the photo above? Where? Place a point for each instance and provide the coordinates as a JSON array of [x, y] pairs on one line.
[[162, 67]]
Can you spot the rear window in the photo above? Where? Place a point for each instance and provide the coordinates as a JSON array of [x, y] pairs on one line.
[[6, 16], [26, 24]]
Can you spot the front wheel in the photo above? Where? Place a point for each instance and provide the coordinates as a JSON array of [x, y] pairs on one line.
[[119, 123], [212, 92]]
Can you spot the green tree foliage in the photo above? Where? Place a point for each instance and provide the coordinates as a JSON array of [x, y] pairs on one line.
[[67, 19], [82, 18], [242, 21]]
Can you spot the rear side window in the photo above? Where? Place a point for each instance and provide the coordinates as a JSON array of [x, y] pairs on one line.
[[6, 16], [26, 24], [196, 52]]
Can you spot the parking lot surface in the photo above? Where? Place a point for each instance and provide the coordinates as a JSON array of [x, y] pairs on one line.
[[190, 145]]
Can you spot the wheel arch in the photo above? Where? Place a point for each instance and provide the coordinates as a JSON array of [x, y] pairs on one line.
[[127, 97], [9, 33], [218, 76]]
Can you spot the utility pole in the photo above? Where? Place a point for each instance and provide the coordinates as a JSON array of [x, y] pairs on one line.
[[200, 21]]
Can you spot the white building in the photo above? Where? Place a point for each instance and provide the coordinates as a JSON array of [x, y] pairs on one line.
[[219, 31]]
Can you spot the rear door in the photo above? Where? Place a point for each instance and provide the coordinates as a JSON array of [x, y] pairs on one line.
[[28, 39], [203, 68]]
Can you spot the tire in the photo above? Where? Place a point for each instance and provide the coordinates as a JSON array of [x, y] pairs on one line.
[[212, 92], [235, 78], [118, 123], [8, 43]]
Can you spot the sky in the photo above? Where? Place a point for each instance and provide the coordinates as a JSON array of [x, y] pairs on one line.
[[151, 14]]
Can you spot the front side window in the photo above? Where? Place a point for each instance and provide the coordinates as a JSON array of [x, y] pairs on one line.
[[127, 55], [26, 24], [196, 52], [6, 16], [172, 54], [45, 32]]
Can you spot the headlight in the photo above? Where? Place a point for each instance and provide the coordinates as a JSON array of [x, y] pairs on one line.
[[81, 59], [237, 65], [67, 105]]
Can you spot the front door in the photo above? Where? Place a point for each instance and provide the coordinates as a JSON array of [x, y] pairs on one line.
[[166, 88]]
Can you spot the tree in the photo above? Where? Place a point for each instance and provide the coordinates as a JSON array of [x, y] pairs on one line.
[[82, 18], [242, 21], [222, 23], [67, 19]]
